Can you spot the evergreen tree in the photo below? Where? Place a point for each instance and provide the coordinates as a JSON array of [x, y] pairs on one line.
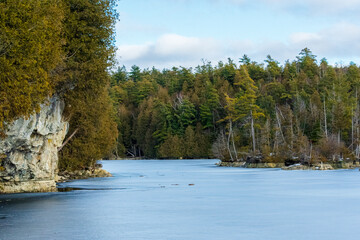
[[89, 46], [280, 113], [31, 55]]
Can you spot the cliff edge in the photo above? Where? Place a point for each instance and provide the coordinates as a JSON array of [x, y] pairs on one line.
[[28, 153]]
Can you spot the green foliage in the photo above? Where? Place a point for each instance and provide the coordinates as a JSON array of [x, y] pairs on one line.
[[273, 68], [96, 137], [63, 48], [89, 47], [280, 112], [119, 76], [172, 147], [30, 55], [206, 116], [194, 144]]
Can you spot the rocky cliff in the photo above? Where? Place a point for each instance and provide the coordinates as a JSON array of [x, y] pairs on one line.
[[28, 154]]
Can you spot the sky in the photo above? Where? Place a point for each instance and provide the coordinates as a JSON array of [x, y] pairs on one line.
[[168, 33]]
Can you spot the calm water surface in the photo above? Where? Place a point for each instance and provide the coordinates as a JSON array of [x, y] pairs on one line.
[[190, 199]]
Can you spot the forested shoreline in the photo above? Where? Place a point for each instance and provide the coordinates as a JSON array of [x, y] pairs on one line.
[[61, 49], [304, 111]]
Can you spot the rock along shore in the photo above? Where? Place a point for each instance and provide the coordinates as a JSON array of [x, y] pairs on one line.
[[83, 174], [29, 152], [318, 166]]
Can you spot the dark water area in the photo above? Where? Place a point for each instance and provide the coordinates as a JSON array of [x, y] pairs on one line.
[[190, 199]]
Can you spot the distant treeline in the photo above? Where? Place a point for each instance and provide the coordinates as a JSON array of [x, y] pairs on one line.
[[304, 110], [63, 48]]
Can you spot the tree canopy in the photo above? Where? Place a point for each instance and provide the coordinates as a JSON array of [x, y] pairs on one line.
[[62, 48], [290, 112]]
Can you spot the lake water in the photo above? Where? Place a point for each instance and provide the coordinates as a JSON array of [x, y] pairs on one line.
[[190, 199]]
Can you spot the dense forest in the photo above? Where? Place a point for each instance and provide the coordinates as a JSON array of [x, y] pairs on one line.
[[303, 111], [60, 48]]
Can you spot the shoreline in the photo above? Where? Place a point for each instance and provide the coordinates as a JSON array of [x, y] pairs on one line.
[[318, 166], [298, 166], [96, 172], [41, 186]]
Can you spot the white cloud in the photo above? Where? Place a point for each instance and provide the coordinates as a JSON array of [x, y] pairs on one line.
[[301, 37], [168, 50], [339, 41], [336, 43], [133, 52], [176, 50], [176, 45]]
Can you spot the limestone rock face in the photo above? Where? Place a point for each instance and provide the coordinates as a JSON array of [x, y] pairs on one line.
[[28, 154]]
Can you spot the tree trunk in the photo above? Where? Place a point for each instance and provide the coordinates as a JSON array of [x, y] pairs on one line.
[[132, 154], [68, 139], [253, 132], [352, 129], [325, 120], [292, 133], [228, 141], [279, 124], [233, 143], [356, 120], [232, 140]]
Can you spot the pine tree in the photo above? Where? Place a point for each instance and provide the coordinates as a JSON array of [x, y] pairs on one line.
[[245, 103]]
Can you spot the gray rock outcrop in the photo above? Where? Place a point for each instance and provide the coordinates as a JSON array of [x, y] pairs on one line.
[[28, 153]]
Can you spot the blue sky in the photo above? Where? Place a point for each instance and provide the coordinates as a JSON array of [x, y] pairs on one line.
[[166, 33]]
